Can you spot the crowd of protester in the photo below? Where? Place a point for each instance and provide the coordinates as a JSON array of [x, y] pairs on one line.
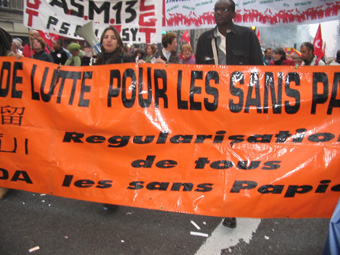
[[74, 54]]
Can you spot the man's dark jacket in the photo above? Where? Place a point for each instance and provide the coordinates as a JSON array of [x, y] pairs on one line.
[[243, 47]]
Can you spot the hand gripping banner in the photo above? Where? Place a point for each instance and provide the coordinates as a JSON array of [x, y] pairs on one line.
[[242, 141]]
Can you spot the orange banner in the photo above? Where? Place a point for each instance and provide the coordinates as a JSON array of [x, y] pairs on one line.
[[236, 141]]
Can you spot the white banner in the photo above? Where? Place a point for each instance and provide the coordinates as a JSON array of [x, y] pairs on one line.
[[193, 14], [138, 21]]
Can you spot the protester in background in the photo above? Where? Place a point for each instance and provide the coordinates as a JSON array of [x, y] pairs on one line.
[[168, 53], [5, 49], [267, 56], [336, 61], [112, 52], [138, 54], [297, 59], [228, 44], [150, 53], [15, 48], [20, 41], [38, 46], [28, 50], [187, 56], [112, 49], [59, 54], [280, 58], [77, 55], [308, 57], [232, 44], [88, 59]]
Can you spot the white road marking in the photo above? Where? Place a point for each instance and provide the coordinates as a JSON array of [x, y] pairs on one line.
[[222, 237], [196, 226]]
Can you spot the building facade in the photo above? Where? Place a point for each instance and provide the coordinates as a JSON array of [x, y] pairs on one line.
[[11, 18]]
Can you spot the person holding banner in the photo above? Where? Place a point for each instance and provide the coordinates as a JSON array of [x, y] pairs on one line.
[[59, 54], [228, 44], [28, 51], [336, 61], [112, 52], [112, 49], [150, 53], [39, 45], [280, 58], [188, 58], [308, 56], [168, 54]]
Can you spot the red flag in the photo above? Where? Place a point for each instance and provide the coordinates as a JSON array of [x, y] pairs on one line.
[[186, 36], [318, 44], [48, 37], [258, 35]]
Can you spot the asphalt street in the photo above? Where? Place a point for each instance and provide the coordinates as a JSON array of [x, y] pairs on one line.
[[32, 223]]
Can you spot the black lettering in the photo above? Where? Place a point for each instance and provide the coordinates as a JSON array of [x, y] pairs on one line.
[[139, 163], [292, 77], [24, 177], [73, 136], [271, 165], [335, 89], [242, 185], [144, 102], [51, 21], [323, 186], [204, 187], [6, 68], [176, 186], [195, 75], [136, 185], [245, 165], [16, 80], [118, 141], [104, 7], [276, 98], [95, 139], [273, 189], [180, 103], [166, 163], [160, 92], [234, 78], [85, 89], [129, 73], [321, 137], [254, 84], [211, 75], [221, 164], [114, 75], [84, 183], [5, 174], [158, 186], [104, 184], [319, 98], [293, 189], [67, 180], [201, 162]]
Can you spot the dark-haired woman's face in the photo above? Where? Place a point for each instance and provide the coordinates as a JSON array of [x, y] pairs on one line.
[[37, 45], [110, 41]]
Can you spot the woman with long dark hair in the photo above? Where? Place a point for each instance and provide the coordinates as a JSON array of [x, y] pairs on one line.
[[112, 48]]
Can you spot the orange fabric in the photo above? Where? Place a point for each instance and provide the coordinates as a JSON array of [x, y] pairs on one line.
[[244, 141]]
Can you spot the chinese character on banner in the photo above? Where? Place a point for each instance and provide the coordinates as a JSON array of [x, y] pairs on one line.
[[319, 50], [12, 115], [186, 37], [48, 37]]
